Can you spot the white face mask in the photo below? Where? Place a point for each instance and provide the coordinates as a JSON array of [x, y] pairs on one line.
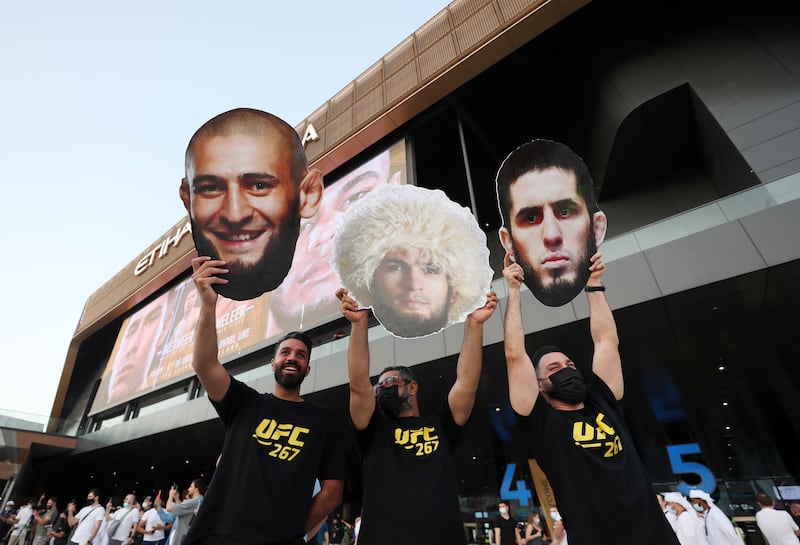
[[145, 505], [556, 516], [125, 504], [503, 510], [698, 507]]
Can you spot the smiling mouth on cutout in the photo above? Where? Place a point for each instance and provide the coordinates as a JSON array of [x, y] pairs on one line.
[[238, 236]]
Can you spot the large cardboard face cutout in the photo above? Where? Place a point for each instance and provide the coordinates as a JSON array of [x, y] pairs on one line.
[[416, 257], [551, 223], [246, 188]]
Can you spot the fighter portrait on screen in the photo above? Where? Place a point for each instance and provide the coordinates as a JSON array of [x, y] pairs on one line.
[[551, 223], [307, 296], [246, 188], [137, 347], [154, 344], [416, 257], [238, 324]]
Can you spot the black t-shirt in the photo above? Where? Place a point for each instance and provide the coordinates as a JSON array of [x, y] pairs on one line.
[[600, 484], [508, 530], [336, 533], [409, 475], [273, 452], [60, 525]]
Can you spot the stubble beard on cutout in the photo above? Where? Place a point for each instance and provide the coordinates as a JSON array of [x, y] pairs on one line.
[[560, 291], [248, 281], [405, 327]]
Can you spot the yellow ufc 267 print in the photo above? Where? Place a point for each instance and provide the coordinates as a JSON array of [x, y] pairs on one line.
[[600, 436], [423, 441], [285, 441]]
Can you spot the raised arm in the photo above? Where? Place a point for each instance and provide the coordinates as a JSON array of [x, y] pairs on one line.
[[468, 369], [606, 363], [523, 388], [213, 376], [71, 519], [173, 498], [41, 520], [362, 397]]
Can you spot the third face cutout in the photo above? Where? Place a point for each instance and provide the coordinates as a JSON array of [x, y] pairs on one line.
[[551, 223]]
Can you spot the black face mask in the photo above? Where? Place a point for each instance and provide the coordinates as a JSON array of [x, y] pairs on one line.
[[390, 402], [567, 385]]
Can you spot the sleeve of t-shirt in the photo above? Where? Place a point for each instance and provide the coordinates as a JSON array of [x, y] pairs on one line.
[[98, 514], [60, 525], [451, 429], [185, 507], [605, 392], [364, 437], [333, 465], [229, 406], [165, 515]]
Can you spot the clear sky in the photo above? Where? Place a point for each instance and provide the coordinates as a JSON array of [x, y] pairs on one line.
[[97, 102]]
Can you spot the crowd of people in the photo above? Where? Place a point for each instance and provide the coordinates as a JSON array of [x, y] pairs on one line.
[[697, 520], [151, 521]]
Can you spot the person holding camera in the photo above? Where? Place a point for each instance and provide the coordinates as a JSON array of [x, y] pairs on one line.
[[44, 517], [122, 522], [184, 511]]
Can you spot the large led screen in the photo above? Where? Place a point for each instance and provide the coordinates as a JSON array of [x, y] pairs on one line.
[[307, 296], [154, 345]]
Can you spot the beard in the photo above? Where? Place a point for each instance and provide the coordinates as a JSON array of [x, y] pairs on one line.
[[248, 281], [405, 327], [290, 382], [560, 290]]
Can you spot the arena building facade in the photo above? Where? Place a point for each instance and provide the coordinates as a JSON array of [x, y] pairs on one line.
[[688, 117]]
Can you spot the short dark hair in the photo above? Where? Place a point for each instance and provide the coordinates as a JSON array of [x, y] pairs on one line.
[[300, 336], [250, 121], [405, 373], [539, 155], [541, 352], [764, 499], [200, 485]]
